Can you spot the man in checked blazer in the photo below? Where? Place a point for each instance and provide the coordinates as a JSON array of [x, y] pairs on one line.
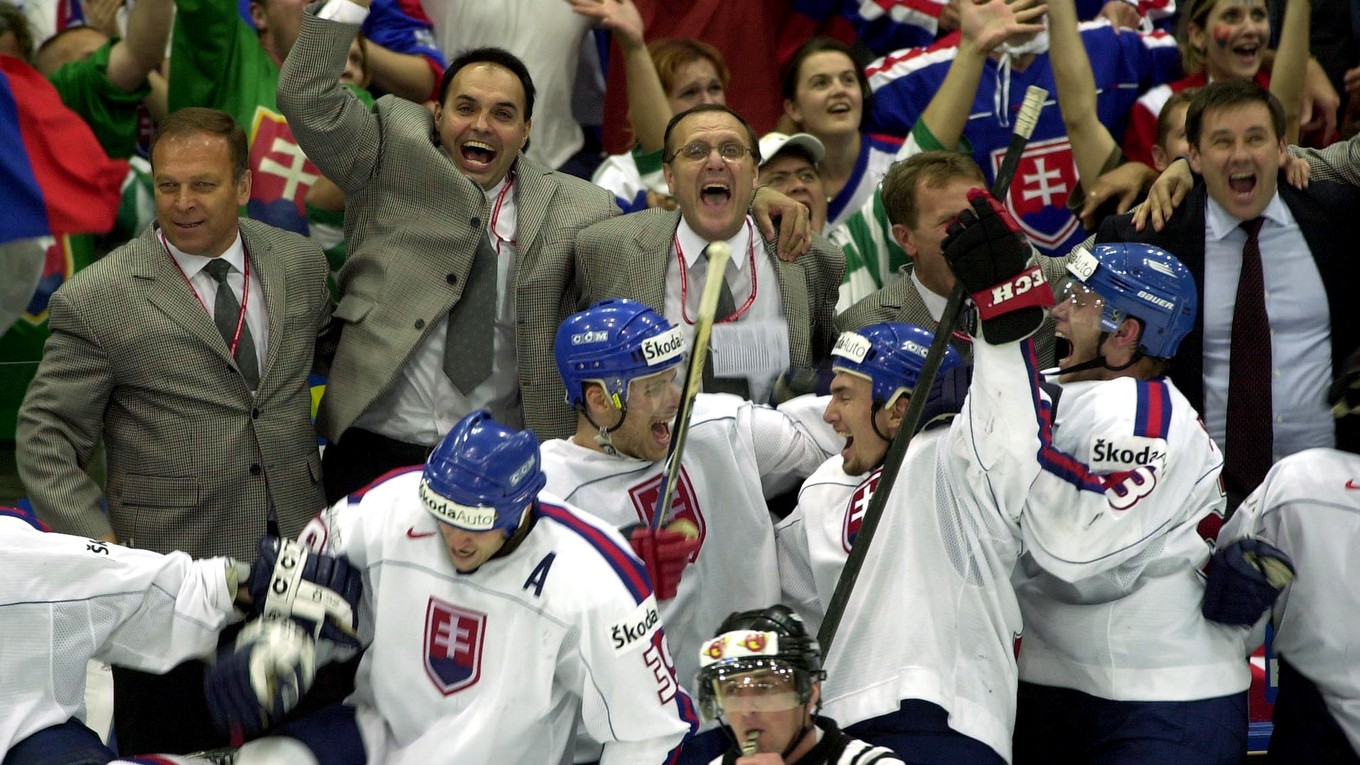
[[422, 194], [922, 195], [205, 450], [655, 256]]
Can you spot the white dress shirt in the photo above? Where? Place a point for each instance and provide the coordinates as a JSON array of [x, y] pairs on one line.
[[1300, 327], [759, 285]]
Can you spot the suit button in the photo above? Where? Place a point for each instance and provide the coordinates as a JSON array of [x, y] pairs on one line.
[[255, 469], [255, 413], [420, 323], [476, 222], [451, 278]]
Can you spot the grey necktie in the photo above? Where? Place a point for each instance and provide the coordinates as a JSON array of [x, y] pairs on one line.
[[727, 305], [468, 344], [226, 313]]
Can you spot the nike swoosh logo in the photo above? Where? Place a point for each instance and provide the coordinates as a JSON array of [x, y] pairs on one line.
[[1351, 485], [411, 532]]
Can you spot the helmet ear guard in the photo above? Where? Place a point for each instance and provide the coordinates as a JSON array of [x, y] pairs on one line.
[[482, 475]]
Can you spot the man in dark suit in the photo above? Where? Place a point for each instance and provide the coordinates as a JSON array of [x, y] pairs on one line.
[[187, 350], [778, 313], [1235, 130]]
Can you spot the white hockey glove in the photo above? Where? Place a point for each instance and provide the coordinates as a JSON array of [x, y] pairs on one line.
[[262, 679], [320, 592]]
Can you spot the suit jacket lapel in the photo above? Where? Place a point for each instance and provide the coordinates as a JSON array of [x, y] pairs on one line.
[[653, 252], [535, 191], [165, 286], [273, 285]]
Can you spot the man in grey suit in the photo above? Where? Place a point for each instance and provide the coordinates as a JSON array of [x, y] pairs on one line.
[[187, 350], [922, 195], [459, 264], [777, 313]]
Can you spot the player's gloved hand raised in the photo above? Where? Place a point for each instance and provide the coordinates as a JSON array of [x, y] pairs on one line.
[[990, 258], [665, 553], [1244, 580], [320, 592], [1344, 395], [258, 682]]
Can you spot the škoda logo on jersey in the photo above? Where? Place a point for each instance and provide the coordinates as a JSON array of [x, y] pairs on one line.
[[453, 646], [855, 509], [686, 515]]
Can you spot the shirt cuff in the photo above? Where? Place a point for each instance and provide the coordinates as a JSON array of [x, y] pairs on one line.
[[343, 11]]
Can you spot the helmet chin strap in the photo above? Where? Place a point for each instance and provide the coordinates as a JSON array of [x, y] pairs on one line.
[[604, 436], [1100, 362], [803, 733]]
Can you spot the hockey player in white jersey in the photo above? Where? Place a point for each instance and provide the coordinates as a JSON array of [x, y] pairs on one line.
[[924, 660], [763, 673], [494, 617], [1309, 507], [620, 363], [65, 600], [1118, 664]]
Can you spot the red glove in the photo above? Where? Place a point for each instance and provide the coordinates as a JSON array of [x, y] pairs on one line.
[[665, 554]]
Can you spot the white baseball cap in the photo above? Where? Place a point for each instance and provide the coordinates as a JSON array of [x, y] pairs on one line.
[[773, 143]]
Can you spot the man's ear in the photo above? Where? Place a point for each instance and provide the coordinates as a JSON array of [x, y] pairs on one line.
[[258, 17], [597, 400], [905, 239], [1284, 152], [1129, 334], [1194, 159], [896, 412]]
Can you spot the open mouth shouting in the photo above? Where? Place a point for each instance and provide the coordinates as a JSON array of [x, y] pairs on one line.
[[1242, 184], [477, 156], [715, 193]]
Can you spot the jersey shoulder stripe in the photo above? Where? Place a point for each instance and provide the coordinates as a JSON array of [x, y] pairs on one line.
[[1051, 459], [1153, 416], [358, 496], [629, 569]]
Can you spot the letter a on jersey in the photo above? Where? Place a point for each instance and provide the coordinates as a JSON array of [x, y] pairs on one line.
[[453, 646]]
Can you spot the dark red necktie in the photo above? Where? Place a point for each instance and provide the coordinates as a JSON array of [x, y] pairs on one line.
[[1250, 438]]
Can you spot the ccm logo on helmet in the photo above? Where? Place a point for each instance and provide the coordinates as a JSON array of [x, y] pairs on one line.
[[663, 347], [581, 338], [635, 630], [466, 517]]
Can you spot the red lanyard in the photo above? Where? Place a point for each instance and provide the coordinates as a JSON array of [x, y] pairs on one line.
[[684, 278], [496, 213], [245, 291]]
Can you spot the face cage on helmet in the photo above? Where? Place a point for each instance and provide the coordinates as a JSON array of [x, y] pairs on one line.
[[709, 678]]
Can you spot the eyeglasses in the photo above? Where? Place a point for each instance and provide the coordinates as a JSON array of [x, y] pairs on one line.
[[699, 151]]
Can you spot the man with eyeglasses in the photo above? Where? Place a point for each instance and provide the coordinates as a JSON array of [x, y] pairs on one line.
[[772, 313], [762, 674]]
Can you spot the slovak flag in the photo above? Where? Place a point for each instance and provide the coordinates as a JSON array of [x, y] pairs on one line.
[[54, 176]]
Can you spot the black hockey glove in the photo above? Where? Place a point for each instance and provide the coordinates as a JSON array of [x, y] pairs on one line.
[[1245, 578], [990, 258], [1344, 395]]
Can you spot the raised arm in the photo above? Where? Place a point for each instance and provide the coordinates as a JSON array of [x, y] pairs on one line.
[[648, 109], [1291, 64], [139, 53]]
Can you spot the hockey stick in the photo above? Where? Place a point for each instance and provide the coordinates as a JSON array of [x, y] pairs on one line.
[[718, 254], [1025, 120]]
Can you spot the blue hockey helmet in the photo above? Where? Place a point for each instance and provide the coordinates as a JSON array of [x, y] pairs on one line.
[[613, 342], [483, 475], [890, 355], [1143, 282]]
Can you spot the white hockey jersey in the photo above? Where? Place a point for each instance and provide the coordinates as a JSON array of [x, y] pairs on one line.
[[497, 665], [1110, 584], [1309, 506], [65, 600], [932, 615], [736, 455]]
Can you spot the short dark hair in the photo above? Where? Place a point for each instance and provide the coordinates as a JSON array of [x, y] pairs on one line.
[[668, 155], [196, 119], [933, 168], [498, 56], [1177, 100], [789, 80], [1226, 94]]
